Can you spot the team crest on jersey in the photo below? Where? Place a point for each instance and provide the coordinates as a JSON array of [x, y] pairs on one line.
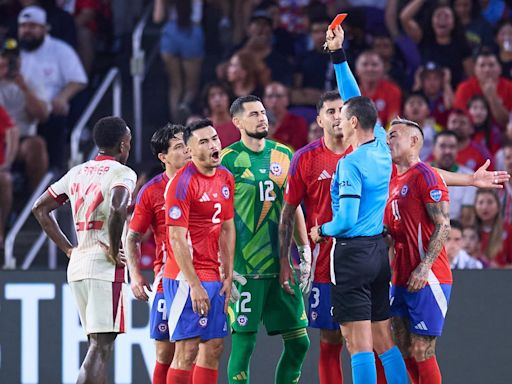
[[174, 212], [314, 315], [436, 195], [404, 191], [203, 322], [225, 192], [242, 320], [162, 327], [276, 169]]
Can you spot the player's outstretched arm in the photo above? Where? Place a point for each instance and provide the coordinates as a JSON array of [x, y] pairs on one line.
[[133, 254], [286, 225], [42, 211], [439, 214], [482, 178], [119, 199], [227, 256]]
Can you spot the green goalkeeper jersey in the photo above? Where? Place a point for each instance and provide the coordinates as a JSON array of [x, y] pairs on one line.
[[260, 180]]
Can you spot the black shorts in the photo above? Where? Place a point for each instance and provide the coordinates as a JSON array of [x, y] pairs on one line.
[[362, 275]]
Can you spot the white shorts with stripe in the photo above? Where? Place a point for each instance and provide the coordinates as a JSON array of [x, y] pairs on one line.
[[101, 305]]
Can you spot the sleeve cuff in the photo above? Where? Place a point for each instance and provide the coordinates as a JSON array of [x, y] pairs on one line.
[[338, 56]]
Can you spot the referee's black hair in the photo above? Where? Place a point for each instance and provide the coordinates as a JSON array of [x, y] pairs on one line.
[[326, 96], [364, 109], [237, 106], [187, 134], [109, 131], [160, 139]]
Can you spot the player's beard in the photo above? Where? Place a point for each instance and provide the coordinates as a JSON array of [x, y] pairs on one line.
[[257, 135]]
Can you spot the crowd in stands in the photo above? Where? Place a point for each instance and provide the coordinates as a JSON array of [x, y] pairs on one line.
[[444, 64]]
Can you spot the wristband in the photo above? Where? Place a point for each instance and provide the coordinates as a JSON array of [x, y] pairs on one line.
[[338, 56]]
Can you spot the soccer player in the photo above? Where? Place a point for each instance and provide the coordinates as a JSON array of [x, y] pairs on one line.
[[168, 146], [260, 167], [417, 216], [199, 201], [99, 192]]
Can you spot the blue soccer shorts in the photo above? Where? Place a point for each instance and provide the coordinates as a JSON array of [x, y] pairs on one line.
[[425, 309], [158, 328], [319, 308], [183, 322]]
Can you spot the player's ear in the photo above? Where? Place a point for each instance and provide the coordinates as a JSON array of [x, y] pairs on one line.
[[161, 157], [236, 121], [318, 120]]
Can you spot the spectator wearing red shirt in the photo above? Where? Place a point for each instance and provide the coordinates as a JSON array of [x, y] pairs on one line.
[[488, 82], [385, 94], [487, 134], [8, 149], [471, 154], [216, 99], [289, 129]]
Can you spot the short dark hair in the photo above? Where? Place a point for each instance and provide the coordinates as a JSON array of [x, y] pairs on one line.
[[363, 108], [419, 94], [486, 52], [237, 106], [187, 134], [109, 131], [160, 139], [407, 122], [456, 224], [326, 96], [445, 134]]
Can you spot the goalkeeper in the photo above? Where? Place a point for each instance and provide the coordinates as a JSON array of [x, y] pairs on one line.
[[260, 168]]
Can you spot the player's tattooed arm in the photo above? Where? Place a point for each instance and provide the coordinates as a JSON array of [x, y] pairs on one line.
[[286, 225], [133, 253], [439, 213]]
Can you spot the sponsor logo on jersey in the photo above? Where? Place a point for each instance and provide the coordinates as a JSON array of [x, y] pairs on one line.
[[436, 195], [303, 316], [242, 320], [203, 322], [162, 327], [276, 169], [324, 175], [345, 183], [174, 212], [214, 194], [204, 198], [404, 190], [314, 315], [421, 326], [225, 192]]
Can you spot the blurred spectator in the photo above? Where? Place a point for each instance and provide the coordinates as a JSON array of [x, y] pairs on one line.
[[385, 94], [314, 71], [245, 74], [26, 103], [471, 244], [441, 39], [506, 192], [495, 10], [289, 129], [462, 199], [416, 109], [499, 157], [216, 98], [487, 134], [471, 154], [193, 118], [504, 41], [435, 83], [478, 30], [495, 236], [458, 257], [487, 82], [315, 132], [394, 68], [182, 50]]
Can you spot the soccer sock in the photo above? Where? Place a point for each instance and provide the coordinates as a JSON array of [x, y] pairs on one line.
[[412, 369], [381, 375], [177, 376], [238, 366], [160, 373], [394, 366], [363, 368], [329, 364], [429, 372], [191, 373], [204, 375], [296, 344]]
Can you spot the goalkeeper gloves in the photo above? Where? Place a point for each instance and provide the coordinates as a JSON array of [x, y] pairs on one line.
[[306, 275], [235, 294]]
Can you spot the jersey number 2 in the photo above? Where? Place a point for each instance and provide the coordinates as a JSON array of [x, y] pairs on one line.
[[215, 217]]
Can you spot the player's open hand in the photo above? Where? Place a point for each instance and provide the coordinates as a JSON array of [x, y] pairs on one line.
[[200, 300], [334, 38], [482, 178], [235, 293], [118, 260], [138, 283], [286, 275], [419, 278]]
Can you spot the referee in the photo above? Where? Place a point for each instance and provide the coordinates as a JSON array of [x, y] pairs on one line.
[[360, 270]]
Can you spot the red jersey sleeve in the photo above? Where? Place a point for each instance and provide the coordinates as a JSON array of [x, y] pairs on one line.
[[177, 201], [229, 211], [143, 213], [295, 187], [431, 187]]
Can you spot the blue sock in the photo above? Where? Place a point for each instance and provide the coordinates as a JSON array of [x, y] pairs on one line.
[[363, 368], [394, 366]]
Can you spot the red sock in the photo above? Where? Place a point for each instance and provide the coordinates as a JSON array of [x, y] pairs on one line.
[[381, 375], [191, 374], [160, 373], [177, 376], [329, 365], [412, 369], [429, 372], [204, 375]]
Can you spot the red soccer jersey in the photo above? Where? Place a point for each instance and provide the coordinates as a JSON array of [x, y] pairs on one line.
[[309, 179], [504, 257], [388, 100], [409, 224], [150, 211], [473, 156], [199, 203]]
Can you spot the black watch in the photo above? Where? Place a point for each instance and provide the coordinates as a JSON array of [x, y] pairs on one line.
[[320, 231]]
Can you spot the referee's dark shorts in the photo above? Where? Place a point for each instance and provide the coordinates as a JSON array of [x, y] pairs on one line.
[[360, 274]]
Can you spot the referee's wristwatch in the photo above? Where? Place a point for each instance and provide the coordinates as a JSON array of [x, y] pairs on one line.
[[320, 233]]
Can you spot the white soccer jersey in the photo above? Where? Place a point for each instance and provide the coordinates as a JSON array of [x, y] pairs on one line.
[[88, 187]]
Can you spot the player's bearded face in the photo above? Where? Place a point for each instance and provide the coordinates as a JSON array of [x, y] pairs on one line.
[[254, 120], [330, 118]]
